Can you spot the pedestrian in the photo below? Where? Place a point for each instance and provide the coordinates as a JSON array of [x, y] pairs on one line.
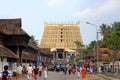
[[5, 74], [35, 72], [91, 70], [24, 69], [69, 69], [65, 69], [19, 70], [57, 68], [45, 72], [40, 69], [79, 70], [84, 72], [29, 72]]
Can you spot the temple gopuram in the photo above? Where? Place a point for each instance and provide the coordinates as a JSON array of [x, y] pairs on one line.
[[59, 40]]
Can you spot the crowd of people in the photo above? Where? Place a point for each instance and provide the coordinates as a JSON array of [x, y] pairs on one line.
[[36, 71], [78, 69], [75, 69]]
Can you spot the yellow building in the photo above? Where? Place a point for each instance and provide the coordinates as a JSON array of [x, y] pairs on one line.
[[60, 38]]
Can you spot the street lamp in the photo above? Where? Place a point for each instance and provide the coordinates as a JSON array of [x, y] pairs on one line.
[[97, 43]]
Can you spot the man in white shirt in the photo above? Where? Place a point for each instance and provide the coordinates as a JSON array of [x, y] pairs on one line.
[[29, 69]]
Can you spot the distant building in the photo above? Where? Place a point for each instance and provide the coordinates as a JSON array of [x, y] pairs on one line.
[[59, 38]]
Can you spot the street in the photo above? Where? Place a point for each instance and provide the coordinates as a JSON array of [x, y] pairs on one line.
[[61, 76]]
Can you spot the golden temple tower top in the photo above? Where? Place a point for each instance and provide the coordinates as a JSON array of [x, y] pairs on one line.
[[60, 35]]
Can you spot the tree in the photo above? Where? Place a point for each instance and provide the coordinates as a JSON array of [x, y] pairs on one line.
[[113, 41], [33, 40], [80, 46], [105, 30]]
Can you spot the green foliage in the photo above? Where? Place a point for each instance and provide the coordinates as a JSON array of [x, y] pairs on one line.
[[79, 44], [80, 47], [113, 41], [71, 60], [33, 40], [77, 59], [92, 45], [105, 30]]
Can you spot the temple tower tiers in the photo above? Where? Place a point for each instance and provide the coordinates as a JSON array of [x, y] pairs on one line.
[[59, 35]]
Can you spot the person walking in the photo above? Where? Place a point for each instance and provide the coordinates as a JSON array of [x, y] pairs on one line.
[[69, 69], [35, 72], [79, 70], [45, 72], [65, 69], [40, 70], [84, 72], [29, 70]]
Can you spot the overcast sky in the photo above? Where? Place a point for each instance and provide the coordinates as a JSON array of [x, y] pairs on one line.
[[35, 12]]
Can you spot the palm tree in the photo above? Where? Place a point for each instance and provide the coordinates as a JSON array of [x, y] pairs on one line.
[[105, 30], [112, 42], [116, 26]]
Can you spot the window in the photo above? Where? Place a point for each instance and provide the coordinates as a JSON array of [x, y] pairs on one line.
[[61, 40]]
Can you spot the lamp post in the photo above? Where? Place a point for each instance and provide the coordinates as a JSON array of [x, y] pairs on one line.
[[97, 44]]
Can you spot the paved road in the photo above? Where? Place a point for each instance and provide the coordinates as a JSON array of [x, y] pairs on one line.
[[61, 76]]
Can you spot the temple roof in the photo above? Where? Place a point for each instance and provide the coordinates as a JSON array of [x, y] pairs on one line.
[[33, 46], [11, 27], [45, 50], [5, 52], [28, 56]]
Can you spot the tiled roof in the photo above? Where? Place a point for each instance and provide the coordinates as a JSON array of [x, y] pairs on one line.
[[5, 52], [28, 56], [11, 27], [45, 50], [33, 45]]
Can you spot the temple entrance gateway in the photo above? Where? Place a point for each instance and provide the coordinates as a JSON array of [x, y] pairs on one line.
[[60, 39], [60, 55]]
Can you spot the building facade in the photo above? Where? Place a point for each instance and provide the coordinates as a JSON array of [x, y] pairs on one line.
[[15, 46], [60, 38]]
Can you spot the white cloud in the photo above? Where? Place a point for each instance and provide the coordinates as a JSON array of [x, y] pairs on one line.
[[107, 8]]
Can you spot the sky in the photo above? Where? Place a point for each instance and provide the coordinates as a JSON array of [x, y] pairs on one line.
[[35, 12]]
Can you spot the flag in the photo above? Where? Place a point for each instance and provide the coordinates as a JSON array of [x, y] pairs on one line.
[[38, 61]]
